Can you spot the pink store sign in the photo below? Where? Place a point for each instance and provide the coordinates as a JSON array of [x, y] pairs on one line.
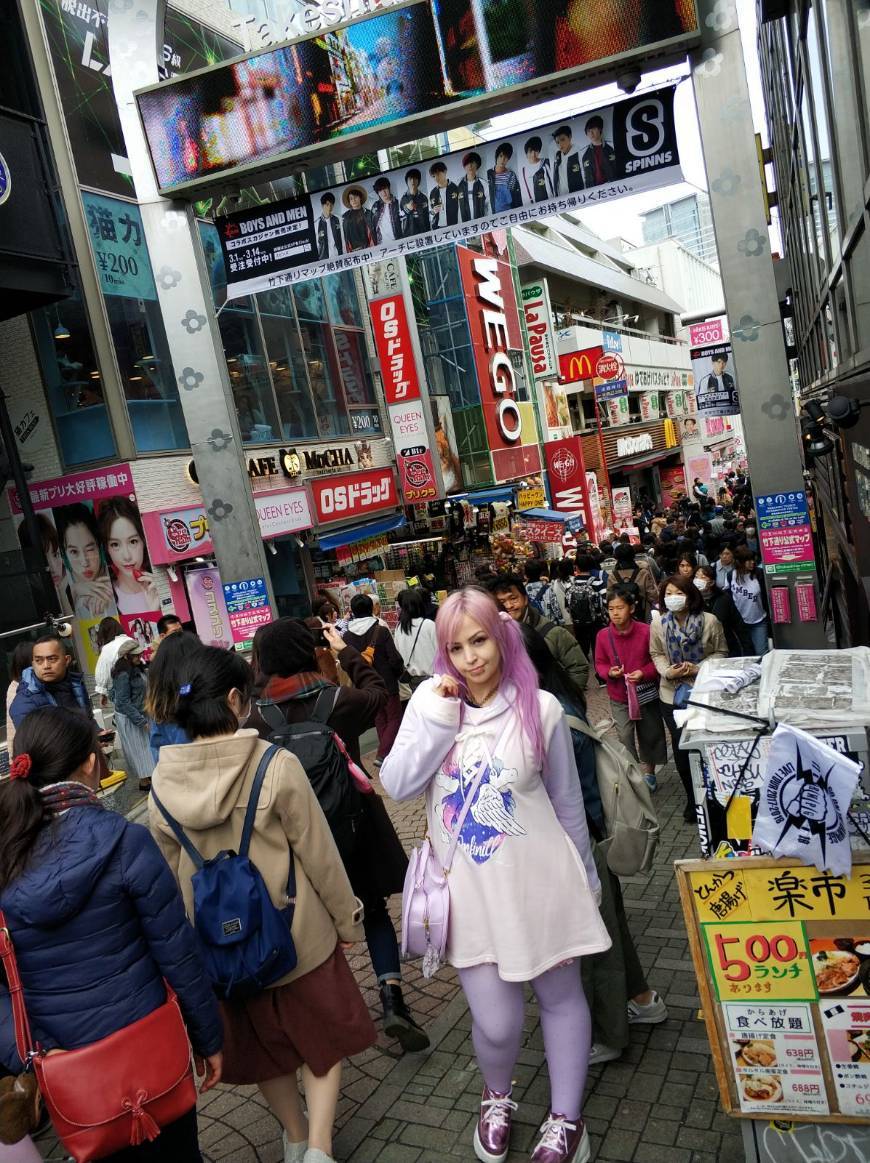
[[208, 607], [790, 545], [93, 485]]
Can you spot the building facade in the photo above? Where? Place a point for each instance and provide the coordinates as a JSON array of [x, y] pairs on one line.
[[816, 75], [689, 220]]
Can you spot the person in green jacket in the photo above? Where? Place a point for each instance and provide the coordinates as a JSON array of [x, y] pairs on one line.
[[510, 593]]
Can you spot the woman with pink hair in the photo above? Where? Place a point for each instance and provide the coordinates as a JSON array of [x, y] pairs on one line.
[[524, 890]]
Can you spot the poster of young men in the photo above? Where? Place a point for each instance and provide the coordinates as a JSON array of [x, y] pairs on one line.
[[614, 151], [715, 382]]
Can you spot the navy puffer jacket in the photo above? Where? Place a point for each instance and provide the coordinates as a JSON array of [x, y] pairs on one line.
[[97, 922]]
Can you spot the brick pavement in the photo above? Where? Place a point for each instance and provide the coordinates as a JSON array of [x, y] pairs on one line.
[[657, 1104]]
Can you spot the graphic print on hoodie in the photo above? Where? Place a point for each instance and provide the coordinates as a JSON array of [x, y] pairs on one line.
[[491, 818]]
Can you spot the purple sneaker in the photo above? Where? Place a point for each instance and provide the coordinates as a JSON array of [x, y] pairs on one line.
[[562, 1142], [493, 1131]]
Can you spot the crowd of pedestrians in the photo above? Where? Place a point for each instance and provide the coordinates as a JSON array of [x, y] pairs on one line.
[[262, 820]]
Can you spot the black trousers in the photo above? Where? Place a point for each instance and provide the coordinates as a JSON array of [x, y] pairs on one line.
[[681, 758], [177, 1143]]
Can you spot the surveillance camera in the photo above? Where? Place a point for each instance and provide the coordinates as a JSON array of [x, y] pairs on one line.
[[629, 80]]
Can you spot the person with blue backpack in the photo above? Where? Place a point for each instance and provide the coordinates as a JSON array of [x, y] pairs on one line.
[[262, 880]]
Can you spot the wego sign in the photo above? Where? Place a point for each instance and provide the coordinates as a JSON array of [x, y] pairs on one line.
[[567, 472]]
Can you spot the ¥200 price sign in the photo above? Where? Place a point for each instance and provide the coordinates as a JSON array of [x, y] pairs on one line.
[[760, 961]]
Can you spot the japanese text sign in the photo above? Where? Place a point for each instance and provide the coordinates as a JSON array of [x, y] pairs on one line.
[[118, 243], [539, 328], [784, 531], [760, 959], [353, 495], [395, 351], [247, 607], [93, 485]]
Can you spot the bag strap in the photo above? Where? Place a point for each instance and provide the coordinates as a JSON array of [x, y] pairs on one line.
[[577, 724], [323, 705], [254, 798], [178, 832], [271, 715], [23, 1039], [414, 647], [613, 647]]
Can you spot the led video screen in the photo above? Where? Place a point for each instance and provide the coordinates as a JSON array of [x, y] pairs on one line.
[[419, 61]]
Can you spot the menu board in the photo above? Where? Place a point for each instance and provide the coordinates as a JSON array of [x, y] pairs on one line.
[[782, 958]]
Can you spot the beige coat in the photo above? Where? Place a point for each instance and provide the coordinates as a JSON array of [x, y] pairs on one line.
[[714, 643], [205, 786]]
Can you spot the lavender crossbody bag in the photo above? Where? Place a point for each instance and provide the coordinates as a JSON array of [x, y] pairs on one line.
[[426, 894]]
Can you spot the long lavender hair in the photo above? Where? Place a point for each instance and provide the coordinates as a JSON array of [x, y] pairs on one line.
[[516, 666]]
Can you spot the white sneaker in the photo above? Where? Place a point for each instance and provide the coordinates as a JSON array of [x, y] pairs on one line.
[[651, 1014], [602, 1053], [293, 1152]]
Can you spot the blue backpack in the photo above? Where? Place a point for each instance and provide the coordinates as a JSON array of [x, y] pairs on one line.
[[246, 940]]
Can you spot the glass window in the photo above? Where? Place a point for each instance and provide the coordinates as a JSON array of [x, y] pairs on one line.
[[249, 373], [287, 364], [342, 300], [808, 178], [138, 335], [353, 368], [72, 381], [862, 17], [322, 369], [859, 274], [825, 174], [847, 125], [310, 301]]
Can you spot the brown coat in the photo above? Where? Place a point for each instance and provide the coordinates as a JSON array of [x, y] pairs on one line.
[[205, 786], [644, 581]]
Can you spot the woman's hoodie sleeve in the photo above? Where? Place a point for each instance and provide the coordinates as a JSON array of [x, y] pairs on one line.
[[170, 938], [427, 733]]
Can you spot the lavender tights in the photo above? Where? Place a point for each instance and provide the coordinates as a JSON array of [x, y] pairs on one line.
[[497, 1012]]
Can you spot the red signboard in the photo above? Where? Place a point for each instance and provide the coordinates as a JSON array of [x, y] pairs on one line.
[[494, 322], [395, 353], [567, 474], [609, 367], [353, 494], [543, 531], [579, 365]]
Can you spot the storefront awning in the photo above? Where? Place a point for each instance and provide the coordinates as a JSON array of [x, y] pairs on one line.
[[327, 541], [548, 515], [485, 496], [644, 460]]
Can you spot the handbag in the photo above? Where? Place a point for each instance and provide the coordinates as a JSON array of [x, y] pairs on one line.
[[426, 895], [117, 1092], [407, 681], [638, 692]]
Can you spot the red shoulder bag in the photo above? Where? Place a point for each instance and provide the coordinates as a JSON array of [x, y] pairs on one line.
[[117, 1092]]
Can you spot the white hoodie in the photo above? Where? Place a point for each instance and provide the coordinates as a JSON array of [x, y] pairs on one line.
[[108, 658]]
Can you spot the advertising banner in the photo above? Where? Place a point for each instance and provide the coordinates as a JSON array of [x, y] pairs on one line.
[[622, 517], [496, 338], [208, 607], [567, 473], [553, 409], [118, 243], [535, 174], [703, 334], [715, 386], [404, 392], [78, 42], [94, 542], [579, 365], [247, 607], [357, 494], [673, 482], [538, 316], [446, 444], [785, 533], [597, 521]]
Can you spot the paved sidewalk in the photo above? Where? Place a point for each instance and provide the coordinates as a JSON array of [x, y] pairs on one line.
[[658, 1104]]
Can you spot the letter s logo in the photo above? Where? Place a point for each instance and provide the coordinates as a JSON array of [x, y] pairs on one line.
[[645, 128]]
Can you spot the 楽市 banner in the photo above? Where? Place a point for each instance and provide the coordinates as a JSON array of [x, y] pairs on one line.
[[715, 382], [596, 156]]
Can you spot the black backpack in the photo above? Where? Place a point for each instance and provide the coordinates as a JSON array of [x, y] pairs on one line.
[[635, 590], [324, 757], [584, 603]]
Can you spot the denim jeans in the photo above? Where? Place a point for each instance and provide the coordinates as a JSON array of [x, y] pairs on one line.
[[757, 635], [381, 940]]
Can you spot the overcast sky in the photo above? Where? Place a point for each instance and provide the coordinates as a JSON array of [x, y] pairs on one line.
[[621, 219]]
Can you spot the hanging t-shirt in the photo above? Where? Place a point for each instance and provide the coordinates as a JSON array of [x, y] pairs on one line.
[[746, 592]]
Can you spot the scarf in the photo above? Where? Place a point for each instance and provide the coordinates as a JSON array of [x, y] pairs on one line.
[[296, 686], [58, 798], [684, 643]]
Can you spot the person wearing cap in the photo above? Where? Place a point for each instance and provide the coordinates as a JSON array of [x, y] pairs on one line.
[[504, 185], [356, 222], [444, 197], [567, 170], [132, 724], [537, 178], [472, 192], [329, 243], [599, 157], [414, 206], [386, 215]]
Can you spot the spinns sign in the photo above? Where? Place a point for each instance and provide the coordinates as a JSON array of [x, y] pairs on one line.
[[417, 68]]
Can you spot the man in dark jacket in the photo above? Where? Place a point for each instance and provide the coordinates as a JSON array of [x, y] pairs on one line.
[[286, 667], [375, 643], [510, 593], [50, 682]]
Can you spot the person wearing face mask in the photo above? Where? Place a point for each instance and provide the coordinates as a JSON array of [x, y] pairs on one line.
[[680, 640], [750, 530], [720, 603], [315, 1016]]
